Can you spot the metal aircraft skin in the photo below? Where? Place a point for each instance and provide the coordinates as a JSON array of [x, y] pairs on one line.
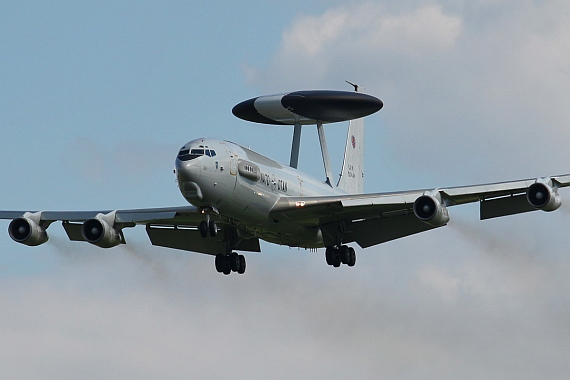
[[238, 196]]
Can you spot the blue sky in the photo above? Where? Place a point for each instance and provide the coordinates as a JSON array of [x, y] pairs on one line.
[[97, 98]]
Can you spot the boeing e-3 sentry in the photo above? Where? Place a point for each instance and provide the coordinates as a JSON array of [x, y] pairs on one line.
[[238, 197]]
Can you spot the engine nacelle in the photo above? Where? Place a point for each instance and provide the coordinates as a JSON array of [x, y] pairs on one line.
[[429, 209], [24, 230], [98, 232], [543, 197]]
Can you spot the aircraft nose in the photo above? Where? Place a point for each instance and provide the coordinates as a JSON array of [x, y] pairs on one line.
[[187, 170], [188, 175]]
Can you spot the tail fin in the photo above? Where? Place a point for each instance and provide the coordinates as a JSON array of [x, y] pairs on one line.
[[352, 174]]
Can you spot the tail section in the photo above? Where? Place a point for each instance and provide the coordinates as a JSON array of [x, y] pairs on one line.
[[352, 174]]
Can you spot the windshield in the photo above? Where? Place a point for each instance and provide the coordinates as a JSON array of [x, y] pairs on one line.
[[190, 154]]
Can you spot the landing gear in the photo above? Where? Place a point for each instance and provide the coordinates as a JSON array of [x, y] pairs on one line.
[[208, 227], [203, 227], [340, 255], [230, 263], [212, 228]]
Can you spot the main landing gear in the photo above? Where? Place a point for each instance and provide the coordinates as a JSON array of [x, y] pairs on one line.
[[340, 255], [230, 263]]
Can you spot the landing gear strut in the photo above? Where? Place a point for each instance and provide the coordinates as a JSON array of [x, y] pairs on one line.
[[230, 263], [340, 255]]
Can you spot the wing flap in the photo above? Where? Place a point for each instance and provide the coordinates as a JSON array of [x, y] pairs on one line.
[[189, 239], [371, 232], [184, 239], [73, 231], [504, 206]]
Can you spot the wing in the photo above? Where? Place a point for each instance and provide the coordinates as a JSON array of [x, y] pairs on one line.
[[173, 227], [371, 219]]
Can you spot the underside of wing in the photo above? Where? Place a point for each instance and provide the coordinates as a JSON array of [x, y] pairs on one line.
[[371, 219], [187, 228]]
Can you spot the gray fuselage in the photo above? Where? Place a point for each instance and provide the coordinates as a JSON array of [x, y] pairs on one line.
[[243, 186]]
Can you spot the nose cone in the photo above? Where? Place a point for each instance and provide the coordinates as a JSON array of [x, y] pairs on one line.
[[188, 176]]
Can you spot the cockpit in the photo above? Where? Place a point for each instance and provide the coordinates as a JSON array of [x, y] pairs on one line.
[[190, 153]]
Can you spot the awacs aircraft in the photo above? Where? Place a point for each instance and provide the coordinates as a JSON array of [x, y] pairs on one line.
[[238, 196]]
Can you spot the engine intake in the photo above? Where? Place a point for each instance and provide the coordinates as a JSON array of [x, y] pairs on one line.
[[98, 232], [25, 231], [543, 197], [429, 209]]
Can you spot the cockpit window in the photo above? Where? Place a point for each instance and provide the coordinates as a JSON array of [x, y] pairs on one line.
[[185, 155], [190, 154]]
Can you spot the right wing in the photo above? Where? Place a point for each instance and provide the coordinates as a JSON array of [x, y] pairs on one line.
[[171, 227], [371, 219]]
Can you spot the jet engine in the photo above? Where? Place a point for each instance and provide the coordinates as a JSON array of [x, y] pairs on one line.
[[98, 232], [429, 209], [543, 197], [24, 230]]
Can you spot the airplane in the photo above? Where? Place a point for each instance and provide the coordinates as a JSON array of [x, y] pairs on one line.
[[238, 196]]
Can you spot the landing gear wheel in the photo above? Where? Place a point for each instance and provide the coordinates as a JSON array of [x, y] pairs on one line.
[[344, 252], [213, 229], [351, 257], [329, 255], [203, 227], [341, 255], [220, 263], [241, 266], [332, 255], [234, 261]]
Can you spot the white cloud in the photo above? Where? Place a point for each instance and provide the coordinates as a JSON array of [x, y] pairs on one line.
[[314, 45], [474, 87], [443, 283], [146, 312]]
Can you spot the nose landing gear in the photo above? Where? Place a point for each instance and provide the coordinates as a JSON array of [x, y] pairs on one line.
[[208, 227]]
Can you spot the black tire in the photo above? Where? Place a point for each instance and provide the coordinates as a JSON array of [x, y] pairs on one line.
[[241, 268], [227, 271], [344, 252], [335, 257], [329, 255], [351, 257], [213, 229], [234, 261], [220, 263], [203, 227]]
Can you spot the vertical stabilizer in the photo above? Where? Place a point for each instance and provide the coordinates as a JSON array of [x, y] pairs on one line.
[[352, 174]]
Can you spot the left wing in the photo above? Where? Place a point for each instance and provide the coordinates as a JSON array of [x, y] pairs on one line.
[[173, 227], [371, 219]]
